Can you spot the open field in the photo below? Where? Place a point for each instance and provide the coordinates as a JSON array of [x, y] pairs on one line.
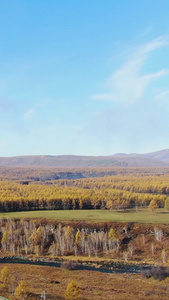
[[92, 285], [142, 216]]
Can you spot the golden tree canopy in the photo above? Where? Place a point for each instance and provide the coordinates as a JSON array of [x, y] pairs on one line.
[[72, 291], [22, 290]]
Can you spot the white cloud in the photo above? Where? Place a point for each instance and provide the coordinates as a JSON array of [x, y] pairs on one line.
[[128, 84], [28, 114], [153, 45], [162, 95]]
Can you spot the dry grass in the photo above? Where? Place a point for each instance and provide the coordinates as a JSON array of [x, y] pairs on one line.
[[93, 285]]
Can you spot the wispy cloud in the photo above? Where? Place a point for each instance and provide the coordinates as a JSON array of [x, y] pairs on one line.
[[29, 113], [162, 95], [128, 83]]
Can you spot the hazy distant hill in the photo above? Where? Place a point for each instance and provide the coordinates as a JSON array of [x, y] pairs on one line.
[[162, 156], [159, 158]]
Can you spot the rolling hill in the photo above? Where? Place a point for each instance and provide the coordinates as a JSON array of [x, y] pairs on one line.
[[159, 158], [162, 156]]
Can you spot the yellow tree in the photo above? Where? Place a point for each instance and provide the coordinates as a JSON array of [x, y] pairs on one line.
[[167, 203], [153, 205], [72, 291], [4, 240], [22, 291], [77, 237], [39, 235], [33, 239], [68, 232], [112, 234], [6, 279], [69, 238]]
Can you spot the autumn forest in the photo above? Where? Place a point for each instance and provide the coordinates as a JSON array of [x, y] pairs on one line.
[[131, 189], [82, 242]]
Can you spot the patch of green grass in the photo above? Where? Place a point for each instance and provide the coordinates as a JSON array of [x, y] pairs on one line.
[[141, 216]]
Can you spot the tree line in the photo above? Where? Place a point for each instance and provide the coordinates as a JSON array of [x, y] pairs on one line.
[[109, 192]]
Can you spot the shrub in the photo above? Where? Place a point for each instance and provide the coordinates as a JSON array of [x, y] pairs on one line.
[[69, 265], [158, 273]]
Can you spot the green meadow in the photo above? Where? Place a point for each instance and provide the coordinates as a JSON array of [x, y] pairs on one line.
[[142, 216]]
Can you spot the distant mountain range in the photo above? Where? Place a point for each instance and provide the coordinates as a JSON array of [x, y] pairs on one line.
[[153, 159]]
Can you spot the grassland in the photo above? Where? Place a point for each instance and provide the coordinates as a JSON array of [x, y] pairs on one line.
[[92, 285], [141, 216]]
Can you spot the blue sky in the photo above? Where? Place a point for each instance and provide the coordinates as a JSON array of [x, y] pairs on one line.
[[84, 77]]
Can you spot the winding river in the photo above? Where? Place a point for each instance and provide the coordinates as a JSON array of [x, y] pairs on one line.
[[115, 267]]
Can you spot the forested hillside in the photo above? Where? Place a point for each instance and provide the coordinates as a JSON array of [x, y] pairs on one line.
[[137, 187]]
